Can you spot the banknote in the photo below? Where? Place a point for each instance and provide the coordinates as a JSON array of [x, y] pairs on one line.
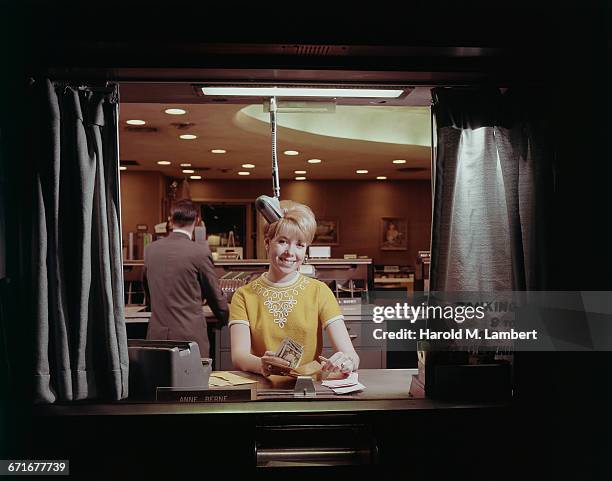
[[290, 351]]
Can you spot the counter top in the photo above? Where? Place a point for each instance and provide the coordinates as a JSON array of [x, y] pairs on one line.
[[265, 262], [386, 390], [349, 311], [139, 314]]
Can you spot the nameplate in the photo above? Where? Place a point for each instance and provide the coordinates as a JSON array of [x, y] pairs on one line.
[[191, 395]]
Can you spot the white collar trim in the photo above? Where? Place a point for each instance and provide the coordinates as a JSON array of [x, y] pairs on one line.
[[181, 231]]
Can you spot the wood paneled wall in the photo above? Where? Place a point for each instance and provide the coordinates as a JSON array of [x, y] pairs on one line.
[[358, 205], [142, 195]]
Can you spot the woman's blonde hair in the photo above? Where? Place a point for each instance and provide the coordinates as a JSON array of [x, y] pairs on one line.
[[297, 220]]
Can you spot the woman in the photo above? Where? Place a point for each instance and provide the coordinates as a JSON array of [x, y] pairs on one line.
[[284, 303]]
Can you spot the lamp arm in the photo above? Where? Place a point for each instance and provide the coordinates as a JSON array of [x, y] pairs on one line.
[[270, 207], [275, 180]]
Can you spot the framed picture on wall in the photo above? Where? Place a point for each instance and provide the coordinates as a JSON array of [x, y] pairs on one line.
[[328, 233], [393, 234]]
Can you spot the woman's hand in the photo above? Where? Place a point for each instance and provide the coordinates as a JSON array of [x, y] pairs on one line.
[[271, 364], [338, 363]]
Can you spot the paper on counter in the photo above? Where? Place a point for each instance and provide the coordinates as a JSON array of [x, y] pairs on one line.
[[346, 385], [233, 379], [218, 382], [349, 389], [351, 380]]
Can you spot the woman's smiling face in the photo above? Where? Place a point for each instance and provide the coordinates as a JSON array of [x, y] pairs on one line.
[[286, 253]]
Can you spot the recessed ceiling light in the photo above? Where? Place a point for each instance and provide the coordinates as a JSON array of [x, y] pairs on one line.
[[381, 177], [272, 91], [185, 165], [135, 122], [291, 152], [300, 178], [188, 171], [123, 167], [399, 161], [361, 171], [299, 171], [218, 151], [195, 177], [164, 162], [244, 173], [248, 166], [314, 161], [188, 136], [175, 111]]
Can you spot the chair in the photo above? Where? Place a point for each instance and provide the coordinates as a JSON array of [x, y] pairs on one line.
[[134, 283]]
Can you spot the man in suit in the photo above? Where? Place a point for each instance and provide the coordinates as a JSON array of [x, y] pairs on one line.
[[178, 275]]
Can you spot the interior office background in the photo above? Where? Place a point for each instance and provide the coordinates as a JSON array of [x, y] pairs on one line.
[[562, 399]]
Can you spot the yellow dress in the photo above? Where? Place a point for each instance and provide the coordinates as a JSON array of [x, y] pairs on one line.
[[300, 309]]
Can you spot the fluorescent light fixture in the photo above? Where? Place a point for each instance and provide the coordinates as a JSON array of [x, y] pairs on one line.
[[399, 161], [188, 171], [381, 177], [363, 171], [195, 177], [291, 152], [300, 178], [314, 161], [135, 122], [218, 151], [299, 171], [185, 165], [164, 162], [175, 111], [248, 166], [244, 173], [188, 136], [123, 167], [245, 91]]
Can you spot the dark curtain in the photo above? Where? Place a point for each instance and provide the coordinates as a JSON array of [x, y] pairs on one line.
[[81, 344], [493, 177], [3, 202], [4, 363]]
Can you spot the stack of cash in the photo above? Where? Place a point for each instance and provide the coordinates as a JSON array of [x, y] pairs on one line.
[[290, 351]]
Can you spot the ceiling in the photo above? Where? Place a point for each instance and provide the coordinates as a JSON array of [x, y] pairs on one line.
[[358, 136]]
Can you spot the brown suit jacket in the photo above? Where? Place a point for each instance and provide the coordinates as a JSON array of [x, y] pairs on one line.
[[178, 275]]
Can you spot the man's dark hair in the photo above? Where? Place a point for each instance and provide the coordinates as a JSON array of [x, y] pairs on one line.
[[183, 213]]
